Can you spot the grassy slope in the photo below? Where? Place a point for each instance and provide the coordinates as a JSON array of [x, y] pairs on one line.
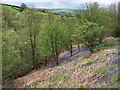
[[100, 70], [16, 10], [10, 8]]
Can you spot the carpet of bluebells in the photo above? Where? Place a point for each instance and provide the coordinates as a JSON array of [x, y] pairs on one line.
[[99, 73], [100, 70]]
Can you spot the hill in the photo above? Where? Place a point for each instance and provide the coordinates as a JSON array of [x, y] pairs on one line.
[[66, 11], [100, 70]]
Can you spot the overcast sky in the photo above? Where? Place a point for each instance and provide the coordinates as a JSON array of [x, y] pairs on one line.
[[50, 4]]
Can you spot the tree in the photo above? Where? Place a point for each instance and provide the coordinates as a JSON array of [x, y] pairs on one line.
[[119, 18], [100, 16], [69, 23], [114, 24], [53, 36], [7, 18], [32, 24], [23, 6], [89, 32], [91, 11]]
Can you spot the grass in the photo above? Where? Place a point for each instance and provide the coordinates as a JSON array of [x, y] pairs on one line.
[[56, 78], [89, 63], [80, 59]]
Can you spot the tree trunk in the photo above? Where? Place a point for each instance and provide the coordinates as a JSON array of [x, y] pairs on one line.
[[34, 63], [100, 40], [57, 60], [52, 43], [78, 47], [33, 57], [71, 49], [56, 51], [90, 48], [46, 61]]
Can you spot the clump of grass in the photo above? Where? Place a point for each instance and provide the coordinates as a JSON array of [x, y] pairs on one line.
[[89, 63], [80, 59], [101, 59], [56, 78], [102, 72]]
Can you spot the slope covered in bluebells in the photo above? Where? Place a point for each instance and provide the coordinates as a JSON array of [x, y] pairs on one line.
[[100, 70]]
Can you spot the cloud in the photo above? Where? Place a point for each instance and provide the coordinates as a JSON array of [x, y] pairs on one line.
[[57, 3], [67, 1]]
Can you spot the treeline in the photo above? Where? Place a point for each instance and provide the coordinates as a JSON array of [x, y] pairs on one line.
[[30, 39]]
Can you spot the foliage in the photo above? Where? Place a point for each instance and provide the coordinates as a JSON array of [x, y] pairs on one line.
[[89, 33], [114, 10], [13, 66]]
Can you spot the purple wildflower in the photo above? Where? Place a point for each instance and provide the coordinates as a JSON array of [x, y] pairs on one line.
[[105, 81], [114, 71], [63, 72], [68, 76], [99, 77], [111, 86], [73, 70], [109, 77], [101, 85], [111, 71], [78, 77], [103, 70], [113, 59], [105, 86]]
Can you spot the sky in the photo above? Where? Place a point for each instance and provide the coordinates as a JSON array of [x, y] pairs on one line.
[[53, 4]]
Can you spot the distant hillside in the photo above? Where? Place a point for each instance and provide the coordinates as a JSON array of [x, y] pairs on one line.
[[66, 11]]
